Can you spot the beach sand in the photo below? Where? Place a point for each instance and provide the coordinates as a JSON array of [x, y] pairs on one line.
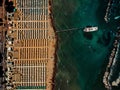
[[52, 54], [34, 45]]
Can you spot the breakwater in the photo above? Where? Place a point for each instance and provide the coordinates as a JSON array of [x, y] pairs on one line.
[[107, 78], [112, 10]]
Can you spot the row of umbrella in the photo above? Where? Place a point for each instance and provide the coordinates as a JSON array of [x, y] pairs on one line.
[[10, 8]]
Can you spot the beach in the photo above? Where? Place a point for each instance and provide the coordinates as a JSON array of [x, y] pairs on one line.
[[31, 46]]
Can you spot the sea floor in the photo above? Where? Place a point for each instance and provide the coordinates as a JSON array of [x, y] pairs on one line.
[[82, 57]]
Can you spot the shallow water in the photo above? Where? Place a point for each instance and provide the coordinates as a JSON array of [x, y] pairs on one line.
[[82, 57]]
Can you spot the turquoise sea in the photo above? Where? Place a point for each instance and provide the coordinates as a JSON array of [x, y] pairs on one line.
[[82, 57]]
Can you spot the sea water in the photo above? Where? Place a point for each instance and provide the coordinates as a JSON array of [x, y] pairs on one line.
[[82, 57]]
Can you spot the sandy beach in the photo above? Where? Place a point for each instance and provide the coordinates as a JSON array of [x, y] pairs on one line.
[[34, 46], [52, 53]]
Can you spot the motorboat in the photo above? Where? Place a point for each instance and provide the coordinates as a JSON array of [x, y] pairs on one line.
[[90, 29]]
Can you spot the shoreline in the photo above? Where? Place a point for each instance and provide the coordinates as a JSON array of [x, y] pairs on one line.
[[56, 43]]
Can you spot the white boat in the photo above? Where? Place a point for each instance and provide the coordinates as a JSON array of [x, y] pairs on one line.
[[90, 29], [117, 17]]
